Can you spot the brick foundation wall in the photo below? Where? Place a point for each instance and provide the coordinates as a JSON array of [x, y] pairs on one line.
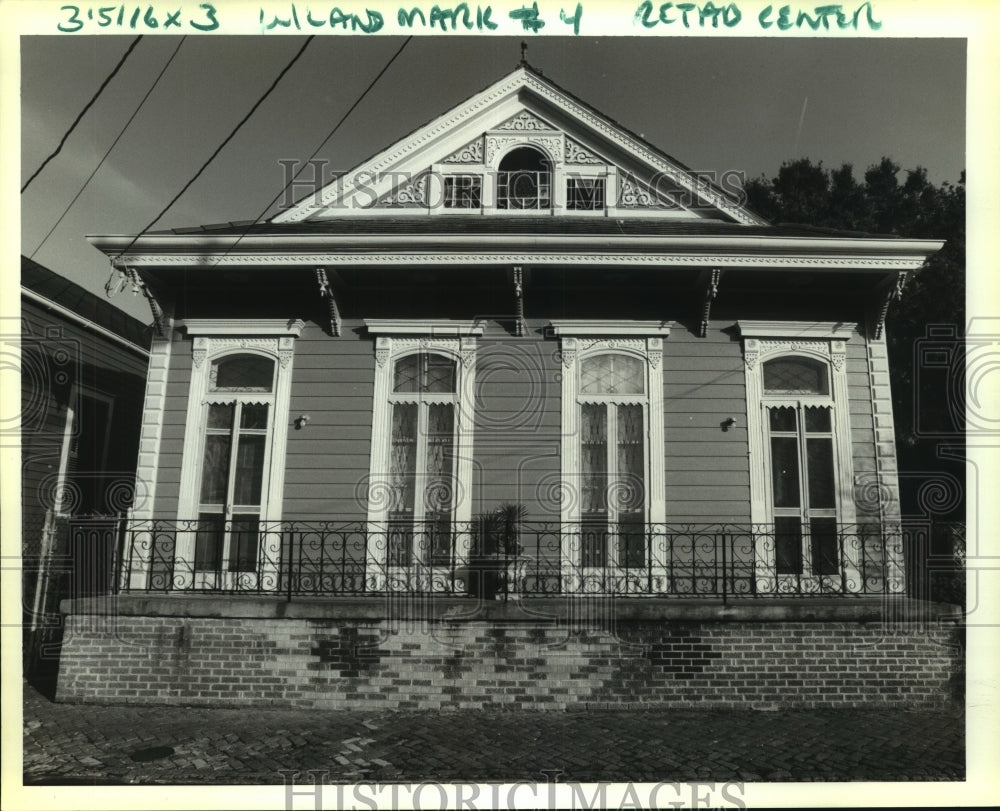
[[375, 664]]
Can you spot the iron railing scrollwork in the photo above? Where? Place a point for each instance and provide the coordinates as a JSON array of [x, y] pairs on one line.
[[332, 558]]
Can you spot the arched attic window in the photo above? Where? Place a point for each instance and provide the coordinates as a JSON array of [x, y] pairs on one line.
[[524, 180]]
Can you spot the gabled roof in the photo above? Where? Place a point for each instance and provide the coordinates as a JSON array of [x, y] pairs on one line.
[[661, 214], [525, 226], [522, 107]]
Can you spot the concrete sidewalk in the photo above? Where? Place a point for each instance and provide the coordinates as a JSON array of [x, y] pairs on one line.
[[110, 745]]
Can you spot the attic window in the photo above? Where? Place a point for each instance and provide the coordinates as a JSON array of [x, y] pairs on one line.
[[585, 193], [524, 180], [462, 191]]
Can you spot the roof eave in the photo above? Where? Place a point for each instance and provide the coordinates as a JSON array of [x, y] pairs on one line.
[[791, 253]]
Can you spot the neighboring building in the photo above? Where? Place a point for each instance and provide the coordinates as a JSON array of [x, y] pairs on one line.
[[521, 349], [83, 372]]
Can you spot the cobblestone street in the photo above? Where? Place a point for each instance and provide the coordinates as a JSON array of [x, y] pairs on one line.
[[108, 745]]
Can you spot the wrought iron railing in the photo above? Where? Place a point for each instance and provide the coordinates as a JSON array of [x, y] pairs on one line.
[[327, 558]]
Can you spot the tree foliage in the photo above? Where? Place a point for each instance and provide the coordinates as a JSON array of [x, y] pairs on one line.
[[905, 204]]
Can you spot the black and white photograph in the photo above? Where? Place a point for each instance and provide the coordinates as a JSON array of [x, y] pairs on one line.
[[467, 408]]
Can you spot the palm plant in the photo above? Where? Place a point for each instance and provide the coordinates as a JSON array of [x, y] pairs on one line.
[[500, 529], [496, 542]]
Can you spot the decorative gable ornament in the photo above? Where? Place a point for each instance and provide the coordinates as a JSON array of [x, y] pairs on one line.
[[519, 111], [550, 144], [635, 195], [407, 195], [472, 152], [578, 154], [524, 121]]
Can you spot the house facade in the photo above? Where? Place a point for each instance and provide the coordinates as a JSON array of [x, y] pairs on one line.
[[521, 395], [83, 374]]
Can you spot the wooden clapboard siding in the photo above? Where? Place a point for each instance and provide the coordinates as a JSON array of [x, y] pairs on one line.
[[707, 476], [859, 393], [57, 353], [172, 430], [326, 464], [517, 415], [518, 424]]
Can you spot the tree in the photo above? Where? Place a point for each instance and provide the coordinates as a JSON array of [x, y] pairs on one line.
[[927, 414]]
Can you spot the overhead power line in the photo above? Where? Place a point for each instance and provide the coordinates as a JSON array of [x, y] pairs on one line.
[[83, 112], [316, 151], [86, 183], [221, 146]]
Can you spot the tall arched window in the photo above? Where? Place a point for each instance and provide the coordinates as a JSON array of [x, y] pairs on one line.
[[613, 464], [422, 459], [239, 412], [800, 446], [419, 491], [232, 473], [524, 180], [801, 455], [613, 412]]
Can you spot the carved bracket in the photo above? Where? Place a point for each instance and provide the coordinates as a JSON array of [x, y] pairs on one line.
[[467, 348], [568, 351], [383, 348], [199, 351], [838, 353], [326, 291], [131, 276], [286, 347], [891, 293], [519, 327], [710, 289], [654, 351]]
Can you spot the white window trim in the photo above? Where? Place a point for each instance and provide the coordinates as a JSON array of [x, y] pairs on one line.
[[638, 339], [551, 143], [441, 327], [822, 341], [212, 339], [389, 349], [435, 192]]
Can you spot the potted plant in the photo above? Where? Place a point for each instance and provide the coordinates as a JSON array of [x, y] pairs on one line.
[[495, 546]]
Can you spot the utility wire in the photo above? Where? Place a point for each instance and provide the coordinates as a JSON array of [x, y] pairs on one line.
[[316, 151], [113, 144], [83, 112], [221, 146]]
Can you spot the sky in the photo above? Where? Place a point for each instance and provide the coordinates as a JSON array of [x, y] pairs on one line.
[[721, 104]]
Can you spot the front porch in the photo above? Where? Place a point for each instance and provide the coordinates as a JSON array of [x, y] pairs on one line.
[[333, 617]]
